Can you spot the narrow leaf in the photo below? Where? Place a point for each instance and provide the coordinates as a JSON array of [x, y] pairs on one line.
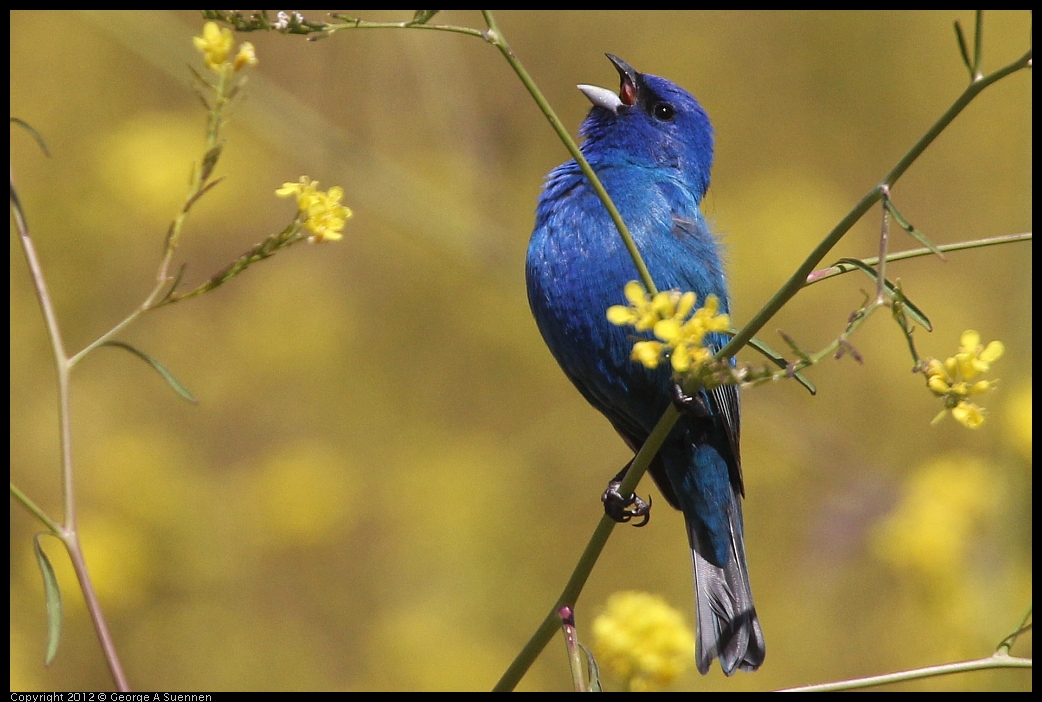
[[781, 362], [423, 16], [202, 81], [593, 673], [914, 312], [795, 347], [859, 264], [901, 317], [978, 42], [921, 238], [202, 191], [210, 162], [845, 347], [160, 368], [916, 234], [172, 291], [963, 49], [53, 598]]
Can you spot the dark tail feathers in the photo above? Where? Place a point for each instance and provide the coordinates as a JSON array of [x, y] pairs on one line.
[[727, 625]]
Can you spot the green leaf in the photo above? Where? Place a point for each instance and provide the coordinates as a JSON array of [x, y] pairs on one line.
[[593, 673], [202, 191], [780, 361], [169, 297], [803, 355], [53, 599], [914, 312], [160, 368], [963, 49], [846, 347], [423, 16], [205, 84], [916, 234], [209, 162]]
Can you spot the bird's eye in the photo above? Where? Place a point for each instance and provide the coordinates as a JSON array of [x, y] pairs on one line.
[[663, 112]]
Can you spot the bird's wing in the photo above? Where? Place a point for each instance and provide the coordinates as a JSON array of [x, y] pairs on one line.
[[695, 246], [725, 400]]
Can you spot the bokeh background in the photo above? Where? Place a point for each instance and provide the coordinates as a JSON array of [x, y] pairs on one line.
[[387, 479]]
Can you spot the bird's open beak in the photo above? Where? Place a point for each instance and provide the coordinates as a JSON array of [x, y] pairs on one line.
[[602, 97]]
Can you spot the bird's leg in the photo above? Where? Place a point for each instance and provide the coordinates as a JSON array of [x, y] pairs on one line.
[[622, 509], [691, 405]]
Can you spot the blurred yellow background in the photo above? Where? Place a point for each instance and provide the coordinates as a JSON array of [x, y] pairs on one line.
[[387, 479]]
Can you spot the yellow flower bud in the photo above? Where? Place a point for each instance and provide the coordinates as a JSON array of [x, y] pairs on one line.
[[648, 353], [938, 386], [215, 44], [968, 414], [247, 56], [667, 330], [620, 316]]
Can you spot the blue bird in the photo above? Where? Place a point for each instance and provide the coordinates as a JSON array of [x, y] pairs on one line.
[[652, 147]]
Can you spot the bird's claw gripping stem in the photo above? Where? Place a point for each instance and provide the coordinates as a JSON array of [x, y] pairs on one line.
[[691, 405], [622, 509]]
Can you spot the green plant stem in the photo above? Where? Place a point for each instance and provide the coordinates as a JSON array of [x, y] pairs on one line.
[[787, 292], [1007, 643], [67, 531], [26, 502], [107, 336], [997, 660], [841, 268], [581, 572], [571, 644], [355, 23], [201, 183], [495, 37], [499, 41], [978, 41], [799, 278], [884, 243]]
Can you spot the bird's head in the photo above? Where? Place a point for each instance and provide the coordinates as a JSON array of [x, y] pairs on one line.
[[651, 123]]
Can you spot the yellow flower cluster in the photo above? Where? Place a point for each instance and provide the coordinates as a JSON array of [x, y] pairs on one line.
[[951, 379], [666, 315], [642, 640], [215, 44], [323, 214]]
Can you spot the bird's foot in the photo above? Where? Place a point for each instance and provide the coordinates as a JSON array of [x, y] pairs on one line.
[[692, 405], [623, 509]]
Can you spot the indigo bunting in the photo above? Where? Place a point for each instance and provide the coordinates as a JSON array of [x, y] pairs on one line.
[[652, 147]]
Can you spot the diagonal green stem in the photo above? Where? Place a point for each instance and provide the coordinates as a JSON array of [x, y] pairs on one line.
[[589, 557], [496, 38], [799, 278], [27, 502], [789, 290], [582, 570]]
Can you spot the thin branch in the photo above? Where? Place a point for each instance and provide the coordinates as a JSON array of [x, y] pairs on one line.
[[799, 278], [995, 661], [67, 531], [495, 37], [884, 242], [669, 418], [17, 494], [841, 268]]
